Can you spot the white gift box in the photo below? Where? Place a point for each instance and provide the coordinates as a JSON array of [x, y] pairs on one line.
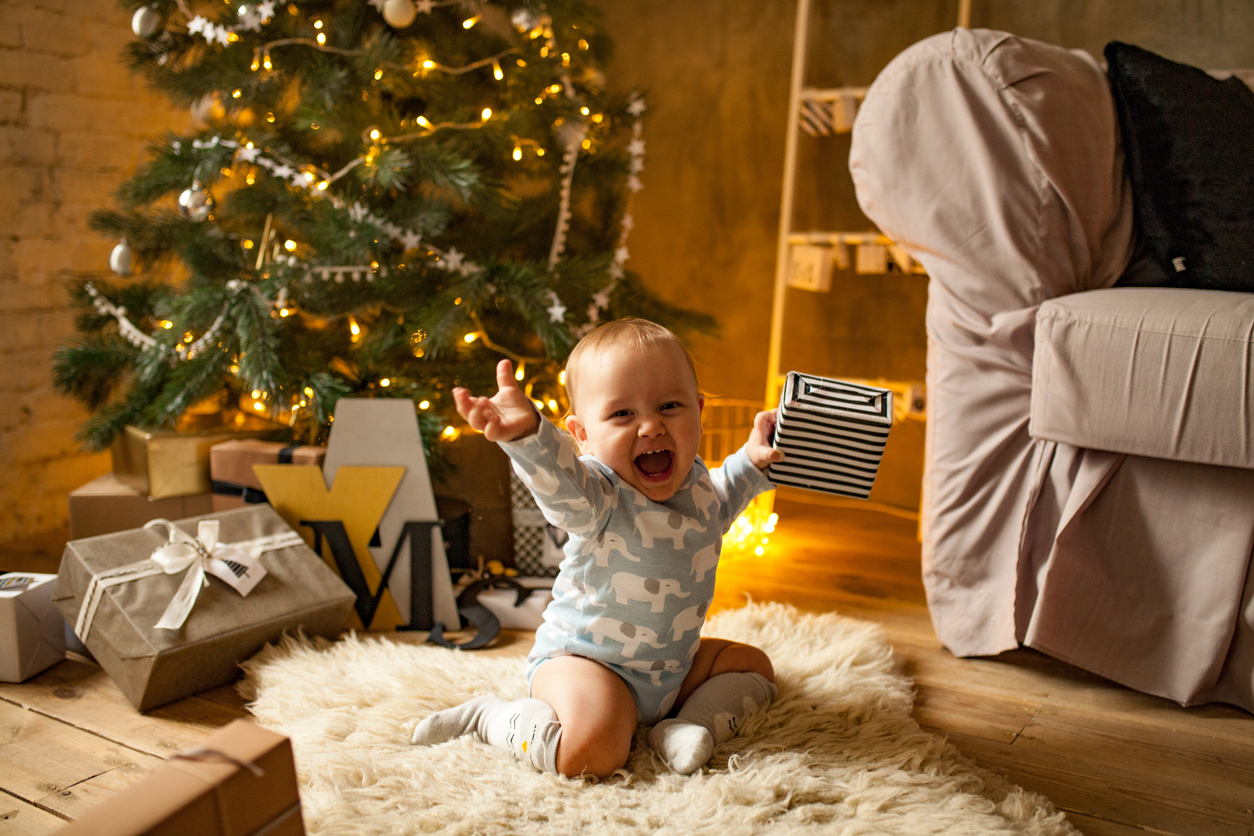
[[32, 631], [832, 434], [528, 615]]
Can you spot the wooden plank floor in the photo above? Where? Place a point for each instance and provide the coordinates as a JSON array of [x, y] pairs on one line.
[[1117, 761]]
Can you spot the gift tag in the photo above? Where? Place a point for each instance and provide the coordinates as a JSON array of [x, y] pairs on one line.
[[14, 583], [239, 569]]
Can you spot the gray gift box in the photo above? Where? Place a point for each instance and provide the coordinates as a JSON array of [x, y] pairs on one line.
[[155, 666], [832, 433]]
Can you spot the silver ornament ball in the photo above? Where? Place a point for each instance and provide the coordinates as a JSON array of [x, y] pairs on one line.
[[146, 21], [195, 203], [120, 259], [399, 13], [524, 19]]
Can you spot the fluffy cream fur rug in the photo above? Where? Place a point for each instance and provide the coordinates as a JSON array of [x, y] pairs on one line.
[[837, 752]]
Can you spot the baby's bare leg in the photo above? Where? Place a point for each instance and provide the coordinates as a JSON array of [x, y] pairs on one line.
[[596, 710], [726, 682]]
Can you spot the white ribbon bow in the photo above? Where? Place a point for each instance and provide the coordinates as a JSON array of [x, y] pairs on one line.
[[197, 554], [238, 564]]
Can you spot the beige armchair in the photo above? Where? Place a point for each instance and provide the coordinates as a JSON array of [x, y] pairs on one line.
[[1089, 477]]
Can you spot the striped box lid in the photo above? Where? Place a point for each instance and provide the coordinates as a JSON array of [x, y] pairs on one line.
[[833, 434]]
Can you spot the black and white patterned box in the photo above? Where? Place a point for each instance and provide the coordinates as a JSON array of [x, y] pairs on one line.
[[833, 434], [537, 543]]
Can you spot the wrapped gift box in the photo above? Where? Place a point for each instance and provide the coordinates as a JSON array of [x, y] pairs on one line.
[[529, 615], [107, 504], [537, 542], [32, 631], [833, 434], [231, 463], [240, 782], [153, 665], [165, 463]]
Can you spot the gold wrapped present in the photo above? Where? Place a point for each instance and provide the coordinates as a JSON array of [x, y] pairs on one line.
[[165, 463], [171, 609]]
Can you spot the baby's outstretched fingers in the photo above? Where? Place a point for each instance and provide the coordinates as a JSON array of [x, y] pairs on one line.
[[505, 376]]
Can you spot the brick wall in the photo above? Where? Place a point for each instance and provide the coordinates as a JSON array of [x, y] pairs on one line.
[[73, 125]]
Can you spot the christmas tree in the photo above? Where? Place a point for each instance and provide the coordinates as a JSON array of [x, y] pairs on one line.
[[377, 200]]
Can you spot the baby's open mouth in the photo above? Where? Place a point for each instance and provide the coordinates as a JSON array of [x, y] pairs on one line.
[[655, 465]]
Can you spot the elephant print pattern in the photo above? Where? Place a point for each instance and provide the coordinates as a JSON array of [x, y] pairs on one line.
[[638, 576]]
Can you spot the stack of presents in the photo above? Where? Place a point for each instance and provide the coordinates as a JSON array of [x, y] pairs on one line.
[[205, 544]]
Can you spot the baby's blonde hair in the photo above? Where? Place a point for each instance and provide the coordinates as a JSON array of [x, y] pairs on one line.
[[630, 331]]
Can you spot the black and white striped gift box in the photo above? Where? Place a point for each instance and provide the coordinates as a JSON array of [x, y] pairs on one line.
[[833, 434]]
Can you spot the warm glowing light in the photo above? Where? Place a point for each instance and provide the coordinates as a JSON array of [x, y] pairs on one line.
[[521, 63], [265, 62], [539, 152], [324, 185], [583, 44], [322, 39], [587, 143], [317, 24], [555, 88], [256, 64], [419, 352], [518, 375], [187, 337], [497, 72], [759, 551], [538, 404], [561, 377], [424, 404], [234, 369], [256, 393], [487, 113], [422, 120], [565, 59], [374, 134], [470, 338], [248, 243], [309, 178], [517, 153], [378, 74], [259, 406], [539, 100], [354, 328], [385, 382], [165, 323], [289, 245], [584, 111], [235, 94], [471, 21], [428, 64], [449, 432], [285, 312], [552, 404]]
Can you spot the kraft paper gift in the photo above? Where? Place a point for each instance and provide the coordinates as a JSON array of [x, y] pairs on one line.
[[32, 631], [165, 463], [832, 433], [128, 622], [107, 504], [231, 463], [240, 782]]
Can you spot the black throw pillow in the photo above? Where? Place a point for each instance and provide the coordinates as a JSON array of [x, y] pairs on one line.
[[1189, 141]]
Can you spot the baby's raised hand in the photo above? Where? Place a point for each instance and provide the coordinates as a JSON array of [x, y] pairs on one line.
[[506, 416], [759, 444]]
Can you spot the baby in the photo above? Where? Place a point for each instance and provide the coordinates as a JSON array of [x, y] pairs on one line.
[[620, 644]]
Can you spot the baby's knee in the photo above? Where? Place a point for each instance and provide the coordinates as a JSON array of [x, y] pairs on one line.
[[743, 658], [594, 749]]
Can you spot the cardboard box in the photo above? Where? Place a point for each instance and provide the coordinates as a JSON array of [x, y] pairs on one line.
[[32, 631], [154, 666], [833, 434], [107, 504], [240, 782], [166, 463]]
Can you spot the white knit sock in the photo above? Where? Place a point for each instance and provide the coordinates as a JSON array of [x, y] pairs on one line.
[[711, 716], [527, 728]]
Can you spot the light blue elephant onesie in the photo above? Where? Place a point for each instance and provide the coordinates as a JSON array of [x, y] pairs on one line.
[[638, 576]]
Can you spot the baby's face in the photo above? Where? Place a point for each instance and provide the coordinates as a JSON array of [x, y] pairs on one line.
[[639, 412]]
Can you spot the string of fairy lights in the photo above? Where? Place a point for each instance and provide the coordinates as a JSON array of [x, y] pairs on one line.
[[197, 202]]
